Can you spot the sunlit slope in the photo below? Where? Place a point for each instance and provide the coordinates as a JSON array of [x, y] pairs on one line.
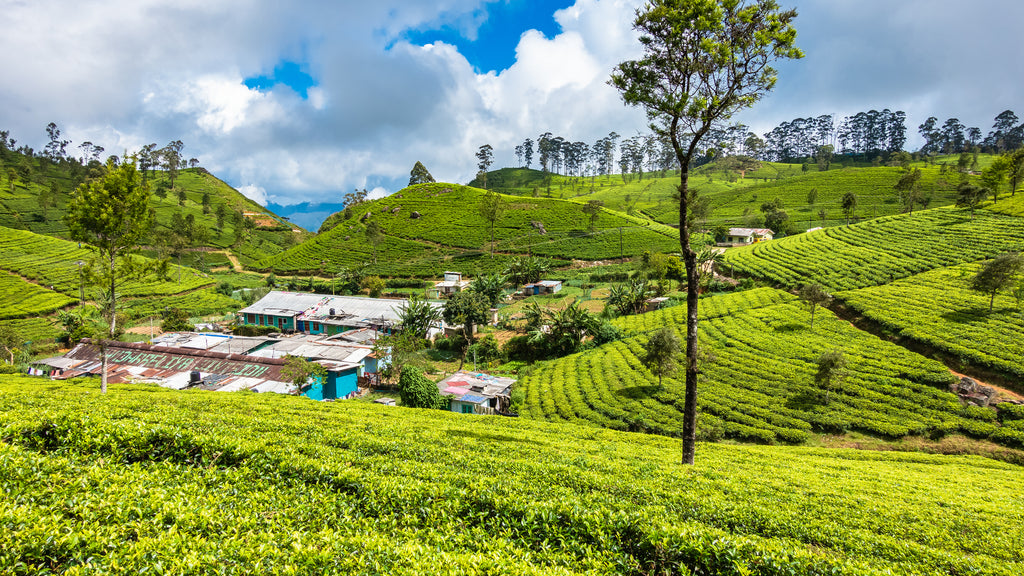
[[144, 478], [880, 251], [759, 357], [430, 224]]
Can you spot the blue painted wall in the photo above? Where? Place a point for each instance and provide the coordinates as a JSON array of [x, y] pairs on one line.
[[338, 385]]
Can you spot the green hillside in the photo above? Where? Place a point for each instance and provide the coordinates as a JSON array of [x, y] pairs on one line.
[[35, 191], [760, 357], [879, 251], [939, 308], [40, 275], [449, 232], [735, 198], [144, 479]]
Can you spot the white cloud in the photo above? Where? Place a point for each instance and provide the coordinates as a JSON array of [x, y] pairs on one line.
[[129, 72], [254, 192]]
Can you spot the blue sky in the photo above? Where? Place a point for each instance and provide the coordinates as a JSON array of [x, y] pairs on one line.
[[305, 101], [494, 29]]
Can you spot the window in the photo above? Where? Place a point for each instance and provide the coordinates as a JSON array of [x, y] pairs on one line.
[[316, 326], [250, 318], [467, 408]]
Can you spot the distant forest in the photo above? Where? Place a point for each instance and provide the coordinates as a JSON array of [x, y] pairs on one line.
[[867, 136]]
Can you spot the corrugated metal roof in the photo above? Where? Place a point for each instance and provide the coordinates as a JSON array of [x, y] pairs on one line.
[[472, 399], [281, 303]]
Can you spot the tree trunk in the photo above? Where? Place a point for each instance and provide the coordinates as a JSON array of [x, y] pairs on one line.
[[992, 302], [690, 261], [103, 367]]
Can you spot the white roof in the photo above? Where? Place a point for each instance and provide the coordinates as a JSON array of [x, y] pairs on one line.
[[749, 231], [281, 303]]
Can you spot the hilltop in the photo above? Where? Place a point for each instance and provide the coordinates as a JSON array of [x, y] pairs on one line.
[[431, 227], [280, 484], [34, 192]]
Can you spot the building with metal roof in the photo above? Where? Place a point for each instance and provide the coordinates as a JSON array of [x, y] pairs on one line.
[[477, 393], [322, 314]]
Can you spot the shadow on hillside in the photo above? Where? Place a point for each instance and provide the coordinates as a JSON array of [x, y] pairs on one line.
[[791, 327], [969, 315], [637, 392], [490, 436], [806, 400]]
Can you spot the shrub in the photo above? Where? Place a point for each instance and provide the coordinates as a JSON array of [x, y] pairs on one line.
[[416, 391]]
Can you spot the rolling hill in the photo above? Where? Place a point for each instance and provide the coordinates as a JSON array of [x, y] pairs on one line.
[[147, 479], [34, 192], [432, 227]]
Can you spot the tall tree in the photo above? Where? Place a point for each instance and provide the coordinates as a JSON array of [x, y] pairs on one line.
[[969, 196], [814, 295], [417, 316], [112, 216], [592, 209], [849, 205], [660, 352], [492, 206], [484, 157], [908, 188], [997, 274], [419, 174], [831, 370], [703, 61], [171, 156], [374, 235], [466, 308]]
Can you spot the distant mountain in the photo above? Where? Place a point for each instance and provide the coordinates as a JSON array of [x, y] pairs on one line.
[[308, 215]]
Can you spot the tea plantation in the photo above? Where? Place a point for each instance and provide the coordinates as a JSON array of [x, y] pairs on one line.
[[759, 360], [144, 480]]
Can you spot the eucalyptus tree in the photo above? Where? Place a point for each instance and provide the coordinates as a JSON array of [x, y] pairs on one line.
[[703, 61]]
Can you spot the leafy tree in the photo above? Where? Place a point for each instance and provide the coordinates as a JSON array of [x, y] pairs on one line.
[[849, 205], [831, 371], [416, 391], [206, 202], [592, 209], [812, 196], [814, 295], [485, 157], [703, 61], [56, 149], [660, 352], [997, 274], [374, 286], [992, 177], [492, 206], [524, 270], [1015, 169], [182, 197], [969, 196], [420, 175], [417, 316], [10, 341], [175, 320], [220, 212], [491, 286], [567, 329], [112, 216], [908, 189], [171, 156], [374, 235], [300, 371], [630, 297], [466, 308]]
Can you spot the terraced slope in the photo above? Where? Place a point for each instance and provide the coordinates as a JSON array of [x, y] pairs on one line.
[[449, 232], [37, 204], [40, 275], [143, 479], [939, 308], [759, 361], [879, 251]]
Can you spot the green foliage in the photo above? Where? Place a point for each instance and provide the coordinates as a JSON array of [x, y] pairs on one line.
[[416, 391], [348, 487], [417, 316], [660, 353], [492, 287], [879, 251], [757, 367], [831, 371], [940, 309], [998, 274], [374, 285], [21, 299], [301, 372], [419, 174], [814, 295], [175, 320]]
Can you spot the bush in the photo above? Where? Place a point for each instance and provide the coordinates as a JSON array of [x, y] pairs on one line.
[[253, 330], [175, 320], [416, 391], [455, 343], [486, 350], [225, 288], [520, 348], [405, 283]]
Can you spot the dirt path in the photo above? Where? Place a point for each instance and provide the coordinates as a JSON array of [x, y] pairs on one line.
[[235, 265], [1003, 392]]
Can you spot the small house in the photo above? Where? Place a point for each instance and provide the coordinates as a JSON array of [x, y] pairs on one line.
[[451, 284], [542, 287], [342, 382], [476, 393], [743, 236]]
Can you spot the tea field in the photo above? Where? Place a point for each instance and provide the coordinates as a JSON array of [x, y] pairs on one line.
[[146, 480], [880, 251], [939, 308], [757, 384]]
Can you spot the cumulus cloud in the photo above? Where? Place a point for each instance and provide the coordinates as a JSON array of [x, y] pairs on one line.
[[128, 72]]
